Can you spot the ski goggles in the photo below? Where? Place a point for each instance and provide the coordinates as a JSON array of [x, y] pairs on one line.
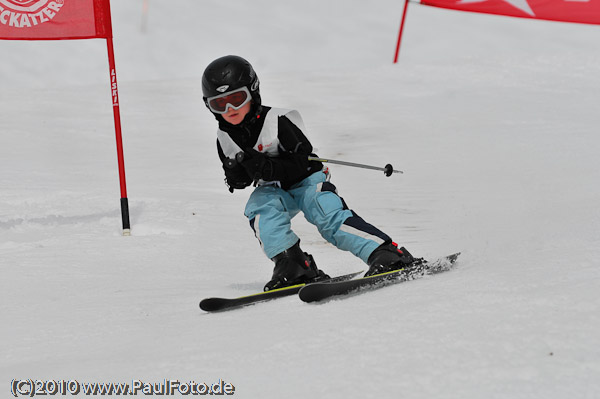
[[235, 99]]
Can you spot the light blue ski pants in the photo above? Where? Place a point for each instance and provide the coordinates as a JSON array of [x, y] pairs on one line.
[[270, 210]]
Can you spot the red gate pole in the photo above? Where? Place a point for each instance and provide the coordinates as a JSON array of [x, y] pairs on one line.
[[117, 115], [401, 29], [145, 7]]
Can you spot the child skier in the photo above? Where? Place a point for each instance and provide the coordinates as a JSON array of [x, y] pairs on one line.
[[267, 147]]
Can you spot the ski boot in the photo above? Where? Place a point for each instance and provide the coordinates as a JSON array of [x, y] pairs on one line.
[[388, 257], [292, 267]]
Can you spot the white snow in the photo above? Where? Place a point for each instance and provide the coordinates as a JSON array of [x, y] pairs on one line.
[[493, 119]]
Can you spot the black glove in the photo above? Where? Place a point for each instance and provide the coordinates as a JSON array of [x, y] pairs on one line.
[[236, 177], [255, 163]]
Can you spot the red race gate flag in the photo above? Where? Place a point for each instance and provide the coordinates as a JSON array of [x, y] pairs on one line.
[[69, 19], [581, 11], [54, 19]]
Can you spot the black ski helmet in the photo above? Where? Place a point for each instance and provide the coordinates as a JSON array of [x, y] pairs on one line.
[[230, 73]]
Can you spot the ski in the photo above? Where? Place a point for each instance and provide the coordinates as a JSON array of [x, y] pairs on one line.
[[319, 291], [221, 304]]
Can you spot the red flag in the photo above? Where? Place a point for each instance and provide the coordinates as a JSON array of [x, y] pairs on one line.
[[69, 19], [54, 19], [582, 11]]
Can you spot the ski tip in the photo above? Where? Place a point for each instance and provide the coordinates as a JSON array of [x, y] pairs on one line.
[[211, 304], [452, 258]]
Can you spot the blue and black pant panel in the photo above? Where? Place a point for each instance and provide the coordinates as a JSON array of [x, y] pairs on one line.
[[270, 210]]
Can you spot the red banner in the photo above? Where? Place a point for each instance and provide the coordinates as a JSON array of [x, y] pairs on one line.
[[54, 19], [581, 11]]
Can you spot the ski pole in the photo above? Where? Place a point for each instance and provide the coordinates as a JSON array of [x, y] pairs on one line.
[[388, 169]]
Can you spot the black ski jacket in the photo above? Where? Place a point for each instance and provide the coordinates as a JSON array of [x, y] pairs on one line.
[[288, 167]]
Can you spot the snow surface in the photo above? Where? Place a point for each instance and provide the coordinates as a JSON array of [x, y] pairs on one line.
[[493, 119]]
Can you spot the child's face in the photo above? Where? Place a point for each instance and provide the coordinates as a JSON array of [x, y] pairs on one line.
[[235, 117]]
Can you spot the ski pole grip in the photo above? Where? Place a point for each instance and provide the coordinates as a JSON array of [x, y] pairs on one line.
[[232, 163], [239, 157]]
